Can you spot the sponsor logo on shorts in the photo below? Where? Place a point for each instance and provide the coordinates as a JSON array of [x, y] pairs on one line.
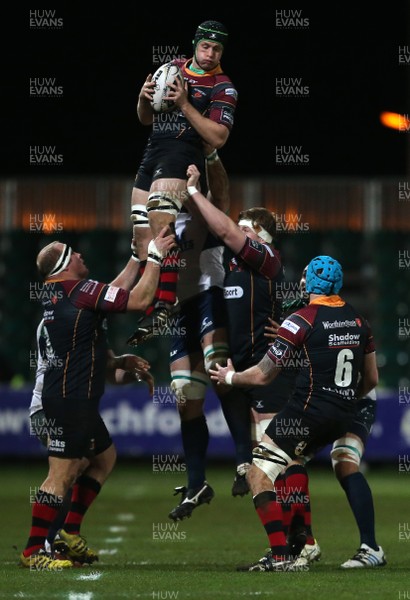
[[56, 445], [233, 291], [205, 323]]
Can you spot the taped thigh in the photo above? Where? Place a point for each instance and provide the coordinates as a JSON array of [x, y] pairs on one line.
[[165, 202], [270, 459], [350, 447], [139, 215]]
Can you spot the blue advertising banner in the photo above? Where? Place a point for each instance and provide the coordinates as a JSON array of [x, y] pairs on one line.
[[141, 425]]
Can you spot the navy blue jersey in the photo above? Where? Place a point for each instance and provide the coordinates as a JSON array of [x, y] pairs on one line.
[[77, 347], [250, 293], [330, 340]]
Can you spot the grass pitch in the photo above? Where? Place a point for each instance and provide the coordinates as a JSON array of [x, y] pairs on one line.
[[143, 554]]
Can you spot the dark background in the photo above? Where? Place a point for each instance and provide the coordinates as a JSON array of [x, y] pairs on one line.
[[347, 56]]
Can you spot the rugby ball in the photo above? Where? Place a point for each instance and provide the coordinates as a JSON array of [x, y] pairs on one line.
[[163, 76]]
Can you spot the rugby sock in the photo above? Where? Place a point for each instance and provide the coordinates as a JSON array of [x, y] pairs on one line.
[[84, 493], [360, 499], [236, 411], [297, 492], [195, 437], [271, 516], [44, 511], [60, 517], [280, 483], [168, 277]]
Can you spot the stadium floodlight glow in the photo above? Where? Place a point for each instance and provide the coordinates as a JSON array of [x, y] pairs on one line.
[[395, 121]]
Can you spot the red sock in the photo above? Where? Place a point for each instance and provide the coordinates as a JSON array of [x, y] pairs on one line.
[[270, 513], [297, 490], [84, 493], [280, 483], [168, 277], [44, 511]]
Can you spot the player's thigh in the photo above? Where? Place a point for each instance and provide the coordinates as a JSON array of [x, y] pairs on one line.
[[169, 184], [139, 196]]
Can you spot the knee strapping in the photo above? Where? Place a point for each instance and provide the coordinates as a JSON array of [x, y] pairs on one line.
[[270, 459], [346, 449], [167, 202], [139, 215], [188, 385]]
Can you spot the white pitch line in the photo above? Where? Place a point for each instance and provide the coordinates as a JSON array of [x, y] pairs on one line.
[[126, 517], [109, 551], [117, 529], [116, 540], [80, 596], [90, 577]]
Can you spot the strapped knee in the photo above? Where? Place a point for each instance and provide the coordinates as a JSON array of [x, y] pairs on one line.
[[187, 385], [346, 449], [139, 215], [165, 202], [215, 353], [270, 459]]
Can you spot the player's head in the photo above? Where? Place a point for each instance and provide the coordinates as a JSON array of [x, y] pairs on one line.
[[53, 259], [260, 221], [209, 42], [57, 257], [324, 276], [212, 31]]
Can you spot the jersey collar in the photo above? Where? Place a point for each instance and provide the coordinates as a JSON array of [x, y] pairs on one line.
[[216, 71], [329, 301]]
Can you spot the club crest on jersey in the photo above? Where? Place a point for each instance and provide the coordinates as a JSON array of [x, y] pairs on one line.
[[256, 245], [278, 348]]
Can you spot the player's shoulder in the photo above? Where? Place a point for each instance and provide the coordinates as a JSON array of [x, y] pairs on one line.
[[223, 78], [87, 286], [357, 316], [224, 84], [306, 314]]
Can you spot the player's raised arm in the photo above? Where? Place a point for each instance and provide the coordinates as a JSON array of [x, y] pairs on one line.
[[219, 223]]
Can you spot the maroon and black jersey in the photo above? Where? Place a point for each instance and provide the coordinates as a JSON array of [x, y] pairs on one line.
[[212, 94], [250, 293], [330, 340], [73, 319]]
